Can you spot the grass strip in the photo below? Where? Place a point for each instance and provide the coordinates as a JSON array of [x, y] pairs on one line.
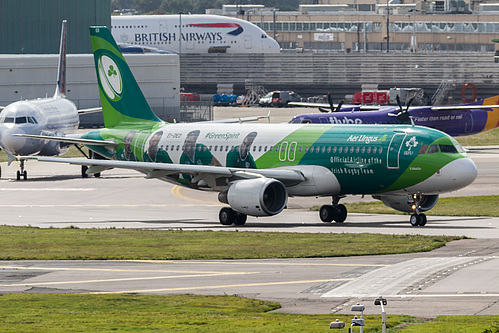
[[485, 205], [22, 312], [30, 243]]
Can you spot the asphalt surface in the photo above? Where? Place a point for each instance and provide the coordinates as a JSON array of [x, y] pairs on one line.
[[460, 278]]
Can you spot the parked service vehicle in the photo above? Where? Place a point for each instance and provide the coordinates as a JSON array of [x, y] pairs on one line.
[[279, 98]]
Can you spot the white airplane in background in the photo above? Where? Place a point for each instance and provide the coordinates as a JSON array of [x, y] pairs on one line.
[[191, 33], [51, 116]]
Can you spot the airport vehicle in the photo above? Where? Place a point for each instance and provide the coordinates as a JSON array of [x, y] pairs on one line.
[[52, 116], [279, 98], [192, 33], [255, 167], [455, 120]]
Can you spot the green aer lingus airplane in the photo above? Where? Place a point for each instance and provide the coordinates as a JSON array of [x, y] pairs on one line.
[[256, 167]]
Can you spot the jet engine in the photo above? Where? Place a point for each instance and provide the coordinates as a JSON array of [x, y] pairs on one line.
[[256, 197], [404, 203], [53, 148]]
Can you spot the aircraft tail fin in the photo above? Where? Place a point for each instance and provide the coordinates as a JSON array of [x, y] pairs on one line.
[[121, 98], [60, 90]]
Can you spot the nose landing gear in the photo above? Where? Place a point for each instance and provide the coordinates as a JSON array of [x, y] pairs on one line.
[[417, 219], [21, 172]]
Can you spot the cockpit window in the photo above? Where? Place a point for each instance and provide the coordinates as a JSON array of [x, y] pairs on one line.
[[8, 120], [448, 149], [32, 120], [21, 120], [423, 149], [433, 149]]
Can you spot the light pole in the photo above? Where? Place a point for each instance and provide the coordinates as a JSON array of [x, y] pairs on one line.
[[387, 27], [413, 42], [180, 32]]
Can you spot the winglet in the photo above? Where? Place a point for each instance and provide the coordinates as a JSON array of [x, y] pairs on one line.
[[60, 90]]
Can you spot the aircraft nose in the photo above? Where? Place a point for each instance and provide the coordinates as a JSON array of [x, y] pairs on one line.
[[17, 145], [459, 173]]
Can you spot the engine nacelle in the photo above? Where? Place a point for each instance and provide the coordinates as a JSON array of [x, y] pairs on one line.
[[53, 148], [404, 203], [256, 197]]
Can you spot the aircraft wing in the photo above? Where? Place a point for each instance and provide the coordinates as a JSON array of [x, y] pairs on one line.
[[311, 105], [69, 139], [157, 170], [239, 120], [462, 107], [89, 110], [346, 106]]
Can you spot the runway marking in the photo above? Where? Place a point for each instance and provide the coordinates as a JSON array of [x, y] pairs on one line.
[[119, 270], [120, 279], [221, 286], [49, 189], [100, 205], [176, 192], [261, 263]]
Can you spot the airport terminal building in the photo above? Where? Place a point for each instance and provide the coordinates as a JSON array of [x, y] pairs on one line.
[[372, 26]]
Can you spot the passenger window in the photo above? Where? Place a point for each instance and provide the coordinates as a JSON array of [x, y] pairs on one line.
[[380, 150], [433, 149]]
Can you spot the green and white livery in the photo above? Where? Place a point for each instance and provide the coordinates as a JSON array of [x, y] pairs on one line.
[[256, 167]]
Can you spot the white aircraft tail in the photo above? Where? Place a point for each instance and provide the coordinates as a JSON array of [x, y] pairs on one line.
[[60, 90]]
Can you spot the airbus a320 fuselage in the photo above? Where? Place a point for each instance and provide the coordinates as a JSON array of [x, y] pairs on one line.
[[255, 167]]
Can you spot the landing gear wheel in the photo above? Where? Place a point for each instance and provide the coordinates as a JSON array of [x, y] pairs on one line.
[[326, 213], [18, 176], [84, 169], [97, 175], [423, 220], [227, 216], [25, 174], [240, 219], [416, 219], [341, 213]]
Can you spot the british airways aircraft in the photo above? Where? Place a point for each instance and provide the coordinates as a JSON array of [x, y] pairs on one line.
[[192, 33], [51, 116], [455, 120]]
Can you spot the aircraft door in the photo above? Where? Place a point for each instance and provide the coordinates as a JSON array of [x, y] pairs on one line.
[[393, 154], [247, 42], [163, 27], [283, 151], [468, 126]]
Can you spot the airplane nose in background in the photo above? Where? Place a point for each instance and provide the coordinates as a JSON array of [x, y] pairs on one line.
[[12, 143], [460, 173]]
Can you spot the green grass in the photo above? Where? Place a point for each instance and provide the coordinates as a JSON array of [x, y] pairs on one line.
[[191, 313], [485, 205], [23, 243], [489, 138]]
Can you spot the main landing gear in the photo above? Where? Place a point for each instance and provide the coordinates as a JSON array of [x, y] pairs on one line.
[[229, 216], [335, 212], [417, 219], [91, 155]]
